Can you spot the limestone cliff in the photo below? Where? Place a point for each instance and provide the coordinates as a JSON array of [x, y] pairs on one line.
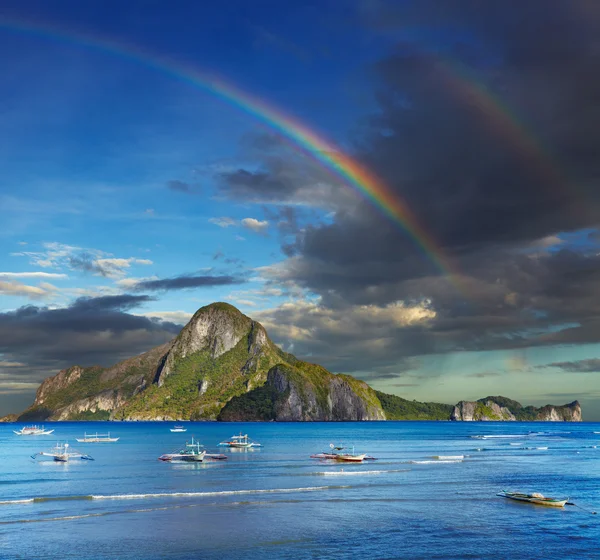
[[481, 411], [306, 392], [493, 409]]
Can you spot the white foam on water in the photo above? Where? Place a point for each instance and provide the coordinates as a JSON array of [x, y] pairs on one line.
[[435, 462], [204, 494], [26, 501], [503, 436], [344, 473], [516, 443], [449, 457]]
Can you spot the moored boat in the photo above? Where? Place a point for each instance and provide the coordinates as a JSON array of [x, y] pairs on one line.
[[191, 453], [62, 453], [178, 429], [33, 431], [534, 498], [350, 458], [240, 442], [96, 438], [335, 455]]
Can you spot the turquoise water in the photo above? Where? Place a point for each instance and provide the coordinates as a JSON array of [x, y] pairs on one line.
[[277, 502]]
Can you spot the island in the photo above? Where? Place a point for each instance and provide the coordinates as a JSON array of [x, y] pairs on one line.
[[223, 366]]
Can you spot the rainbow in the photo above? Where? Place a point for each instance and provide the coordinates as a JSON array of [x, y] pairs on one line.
[[503, 122], [330, 156]]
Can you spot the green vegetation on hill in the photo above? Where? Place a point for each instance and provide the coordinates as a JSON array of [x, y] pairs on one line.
[[397, 408], [257, 406], [200, 385], [521, 413]]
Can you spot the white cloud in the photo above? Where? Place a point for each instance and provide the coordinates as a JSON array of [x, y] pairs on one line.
[[177, 317], [14, 288], [31, 275], [255, 225], [128, 283], [99, 263], [11, 364], [309, 320], [223, 222], [247, 302]]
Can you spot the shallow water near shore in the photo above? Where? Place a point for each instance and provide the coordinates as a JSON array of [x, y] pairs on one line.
[[430, 494]]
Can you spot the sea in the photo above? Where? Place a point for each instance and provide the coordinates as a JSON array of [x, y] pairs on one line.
[[430, 493]]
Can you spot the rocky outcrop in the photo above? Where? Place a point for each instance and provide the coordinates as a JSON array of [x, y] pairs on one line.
[[306, 393], [486, 411], [568, 413], [217, 327], [106, 401], [56, 383], [500, 408]]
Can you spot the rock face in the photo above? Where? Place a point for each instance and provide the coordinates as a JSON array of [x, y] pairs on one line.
[[216, 328], [568, 413], [500, 408], [304, 393], [487, 411]]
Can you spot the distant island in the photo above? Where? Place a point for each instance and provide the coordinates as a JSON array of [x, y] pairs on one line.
[[223, 366]]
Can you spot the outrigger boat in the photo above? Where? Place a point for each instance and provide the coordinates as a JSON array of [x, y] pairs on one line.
[[192, 453], [535, 498], [241, 441], [33, 431], [178, 429], [96, 438], [344, 457], [62, 454]]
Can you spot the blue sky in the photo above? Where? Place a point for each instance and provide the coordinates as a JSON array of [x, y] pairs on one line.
[[117, 174]]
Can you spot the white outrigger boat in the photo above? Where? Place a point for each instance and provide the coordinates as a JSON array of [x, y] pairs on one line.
[[96, 438], [33, 431], [178, 429], [535, 498], [62, 454], [343, 457], [192, 453], [240, 442]]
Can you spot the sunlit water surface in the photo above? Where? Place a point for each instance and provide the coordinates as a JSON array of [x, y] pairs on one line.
[[277, 502]]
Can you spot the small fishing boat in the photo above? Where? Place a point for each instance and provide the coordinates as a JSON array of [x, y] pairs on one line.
[[191, 453], [96, 438], [178, 429], [534, 498], [240, 442], [33, 431], [350, 458], [62, 454], [343, 457]]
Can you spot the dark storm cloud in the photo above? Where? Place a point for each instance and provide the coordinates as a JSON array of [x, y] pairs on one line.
[[188, 282], [90, 331], [123, 302], [580, 366]]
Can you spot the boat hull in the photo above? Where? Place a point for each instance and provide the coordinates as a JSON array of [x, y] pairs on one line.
[[548, 502], [350, 458]]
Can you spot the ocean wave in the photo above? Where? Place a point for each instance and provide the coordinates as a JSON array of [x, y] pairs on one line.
[[25, 501], [499, 436], [435, 462], [42, 499], [449, 457], [344, 473]]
